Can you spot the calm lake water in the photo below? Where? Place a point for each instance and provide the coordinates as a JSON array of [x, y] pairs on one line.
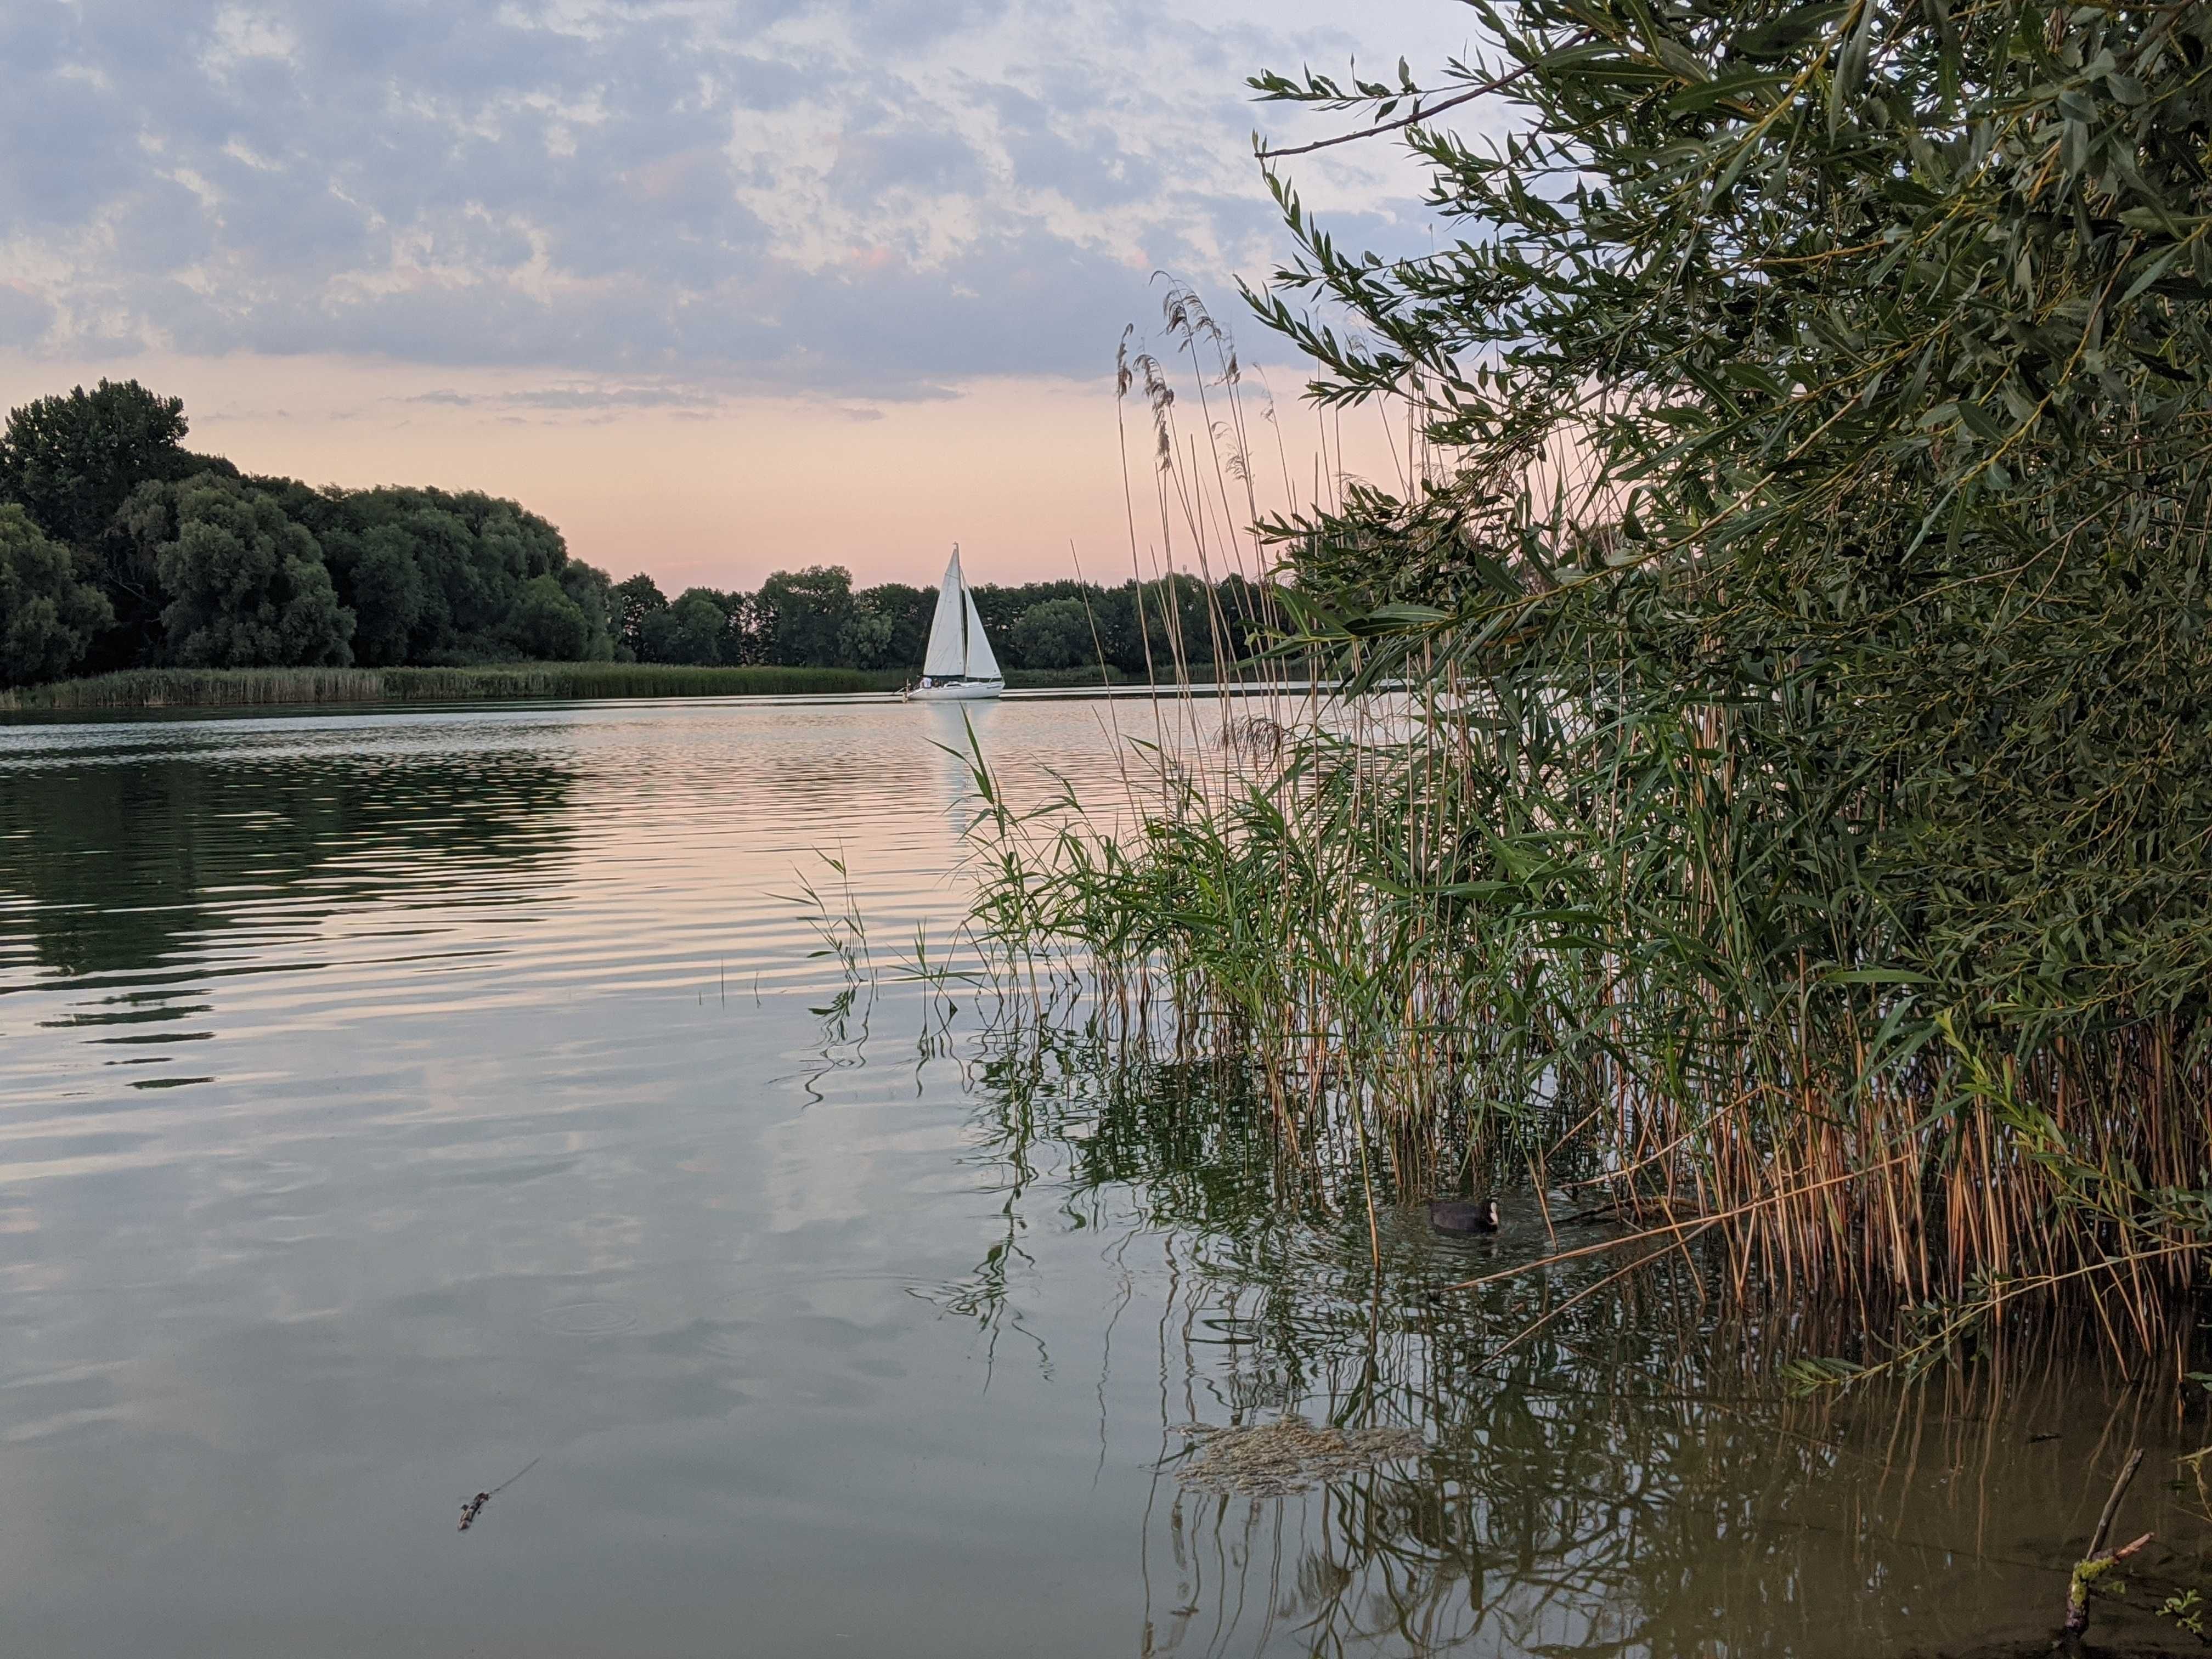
[[393, 1101]]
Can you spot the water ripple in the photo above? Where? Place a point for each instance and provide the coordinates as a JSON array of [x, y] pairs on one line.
[[205, 890]]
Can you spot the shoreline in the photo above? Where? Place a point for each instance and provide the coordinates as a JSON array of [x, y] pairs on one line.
[[256, 688]]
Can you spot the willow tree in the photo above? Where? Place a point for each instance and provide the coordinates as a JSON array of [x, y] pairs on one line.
[[1812, 561], [48, 613]]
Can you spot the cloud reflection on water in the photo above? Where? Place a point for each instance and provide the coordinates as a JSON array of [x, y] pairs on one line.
[[872, 1326]]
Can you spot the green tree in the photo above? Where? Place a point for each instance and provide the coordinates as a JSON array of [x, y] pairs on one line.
[[696, 629], [634, 600], [428, 575], [446, 569], [865, 641], [1114, 611], [908, 610], [999, 605], [1180, 617], [70, 460], [124, 561], [593, 592], [48, 616], [463, 595], [249, 587], [1055, 633], [801, 614], [546, 623], [378, 579]]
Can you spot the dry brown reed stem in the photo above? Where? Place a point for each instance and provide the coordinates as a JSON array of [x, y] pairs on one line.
[[1966, 1314]]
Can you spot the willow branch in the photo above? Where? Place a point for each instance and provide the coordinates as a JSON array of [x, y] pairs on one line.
[[1415, 119]]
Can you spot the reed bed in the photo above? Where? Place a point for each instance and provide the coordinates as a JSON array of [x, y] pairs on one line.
[[239, 688], [629, 679], [235, 688], [199, 688], [1877, 964], [1436, 997], [1791, 822]]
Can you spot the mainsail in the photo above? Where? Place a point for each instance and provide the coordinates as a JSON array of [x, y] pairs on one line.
[[958, 648], [947, 656]]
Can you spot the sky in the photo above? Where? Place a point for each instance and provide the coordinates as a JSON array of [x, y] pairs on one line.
[[720, 287]]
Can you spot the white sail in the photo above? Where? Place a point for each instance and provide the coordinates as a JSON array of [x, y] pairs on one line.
[[947, 656], [960, 665], [982, 664]]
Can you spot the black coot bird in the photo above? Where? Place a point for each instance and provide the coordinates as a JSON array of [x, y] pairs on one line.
[[1461, 1215]]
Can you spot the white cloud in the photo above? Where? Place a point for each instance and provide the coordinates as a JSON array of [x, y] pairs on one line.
[[240, 32], [869, 197]]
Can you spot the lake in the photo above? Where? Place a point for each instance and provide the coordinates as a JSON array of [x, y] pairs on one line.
[[397, 1101]]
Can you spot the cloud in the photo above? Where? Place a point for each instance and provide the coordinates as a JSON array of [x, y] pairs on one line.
[[854, 198], [585, 396], [24, 317]]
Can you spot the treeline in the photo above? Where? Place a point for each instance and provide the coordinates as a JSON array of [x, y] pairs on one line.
[[815, 618], [120, 550]]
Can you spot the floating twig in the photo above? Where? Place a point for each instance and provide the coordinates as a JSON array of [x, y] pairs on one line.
[[475, 1506], [2094, 1564]]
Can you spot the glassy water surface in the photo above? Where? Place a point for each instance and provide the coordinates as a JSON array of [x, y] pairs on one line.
[[392, 1101]]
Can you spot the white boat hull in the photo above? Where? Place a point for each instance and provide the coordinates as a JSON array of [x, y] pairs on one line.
[[960, 692]]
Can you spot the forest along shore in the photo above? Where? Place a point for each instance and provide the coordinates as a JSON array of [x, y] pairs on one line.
[[259, 688], [123, 552]]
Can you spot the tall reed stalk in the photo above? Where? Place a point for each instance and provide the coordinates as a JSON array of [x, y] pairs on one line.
[[1547, 916], [1792, 820]]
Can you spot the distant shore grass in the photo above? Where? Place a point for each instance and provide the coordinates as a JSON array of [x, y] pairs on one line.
[[248, 688], [242, 688]]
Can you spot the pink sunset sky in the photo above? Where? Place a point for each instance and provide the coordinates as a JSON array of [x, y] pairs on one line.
[[718, 287]]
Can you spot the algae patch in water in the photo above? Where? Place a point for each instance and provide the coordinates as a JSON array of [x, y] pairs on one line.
[[1270, 1459]]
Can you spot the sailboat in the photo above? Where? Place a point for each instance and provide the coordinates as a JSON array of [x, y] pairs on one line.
[[959, 666]]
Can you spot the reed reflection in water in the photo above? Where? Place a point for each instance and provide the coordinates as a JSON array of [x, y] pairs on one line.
[[1632, 1479]]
